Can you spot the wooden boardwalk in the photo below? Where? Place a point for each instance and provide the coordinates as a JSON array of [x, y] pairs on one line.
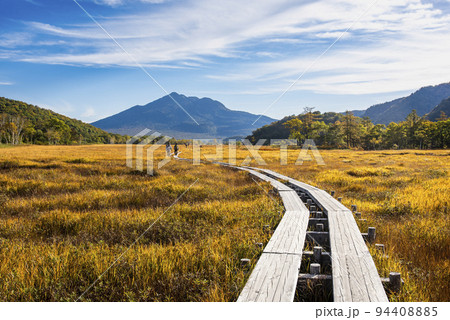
[[275, 275], [274, 278], [355, 277]]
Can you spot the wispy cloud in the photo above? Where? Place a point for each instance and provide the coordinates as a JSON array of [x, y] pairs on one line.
[[398, 45], [89, 113], [116, 3], [35, 2], [6, 83]]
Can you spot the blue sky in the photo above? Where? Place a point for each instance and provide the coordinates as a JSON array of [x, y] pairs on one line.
[[242, 53]]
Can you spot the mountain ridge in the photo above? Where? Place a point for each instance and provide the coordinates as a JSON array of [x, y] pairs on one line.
[[423, 101], [165, 116]]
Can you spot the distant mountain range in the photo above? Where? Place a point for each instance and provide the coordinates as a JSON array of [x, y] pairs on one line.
[[424, 101], [165, 116]]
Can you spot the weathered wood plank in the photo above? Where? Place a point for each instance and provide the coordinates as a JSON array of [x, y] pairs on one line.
[[274, 279], [292, 201], [275, 275], [289, 236], [355, 277], [276, 184], [368, 269]]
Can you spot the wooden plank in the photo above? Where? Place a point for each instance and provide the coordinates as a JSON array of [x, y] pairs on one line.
[[292, 201], [275, 275], [369, 271], [289, 236], [341, 285], [276, 184], [274, 279], [355, 277]]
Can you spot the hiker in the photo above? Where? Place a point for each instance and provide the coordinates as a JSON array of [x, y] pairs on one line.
[[168, 149], [175, 149]]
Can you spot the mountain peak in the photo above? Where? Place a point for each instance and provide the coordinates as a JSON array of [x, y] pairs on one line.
[[176, 94], [165, 115]]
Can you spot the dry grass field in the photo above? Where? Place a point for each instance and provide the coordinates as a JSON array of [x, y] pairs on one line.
[[67, 212]]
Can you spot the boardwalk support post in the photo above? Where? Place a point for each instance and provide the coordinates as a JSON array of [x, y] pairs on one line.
[[332, 193], [354, 207], [358, 215], [395, 281], [314, 268], [317, 253], [340, 199], [371, 234], [319, 227]]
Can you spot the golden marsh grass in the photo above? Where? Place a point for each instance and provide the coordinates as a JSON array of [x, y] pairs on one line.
[[67, 212]]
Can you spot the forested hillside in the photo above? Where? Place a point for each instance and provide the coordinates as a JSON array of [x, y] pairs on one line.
[[440, 111], [423, 101], [22, 122], [332, 130]]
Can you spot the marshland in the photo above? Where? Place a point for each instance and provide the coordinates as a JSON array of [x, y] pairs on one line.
[[68, 212]]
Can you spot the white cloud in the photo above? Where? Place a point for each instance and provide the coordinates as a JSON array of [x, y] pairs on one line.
[[15, 39], [6, 83], [115, 3], [333, 35], [391, 51], [396, 45], [111, 3]]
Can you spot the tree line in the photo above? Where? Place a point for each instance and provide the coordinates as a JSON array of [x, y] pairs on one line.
[[24, 123], [333, 130]]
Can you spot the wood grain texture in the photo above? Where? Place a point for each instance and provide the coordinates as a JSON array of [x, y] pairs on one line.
[[274, 279], [289, 237]]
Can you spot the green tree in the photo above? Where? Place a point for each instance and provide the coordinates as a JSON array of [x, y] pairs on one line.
[[295, 126], [413, 137], [395, 135], [309, 121], [351, 129], [374, 137]]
